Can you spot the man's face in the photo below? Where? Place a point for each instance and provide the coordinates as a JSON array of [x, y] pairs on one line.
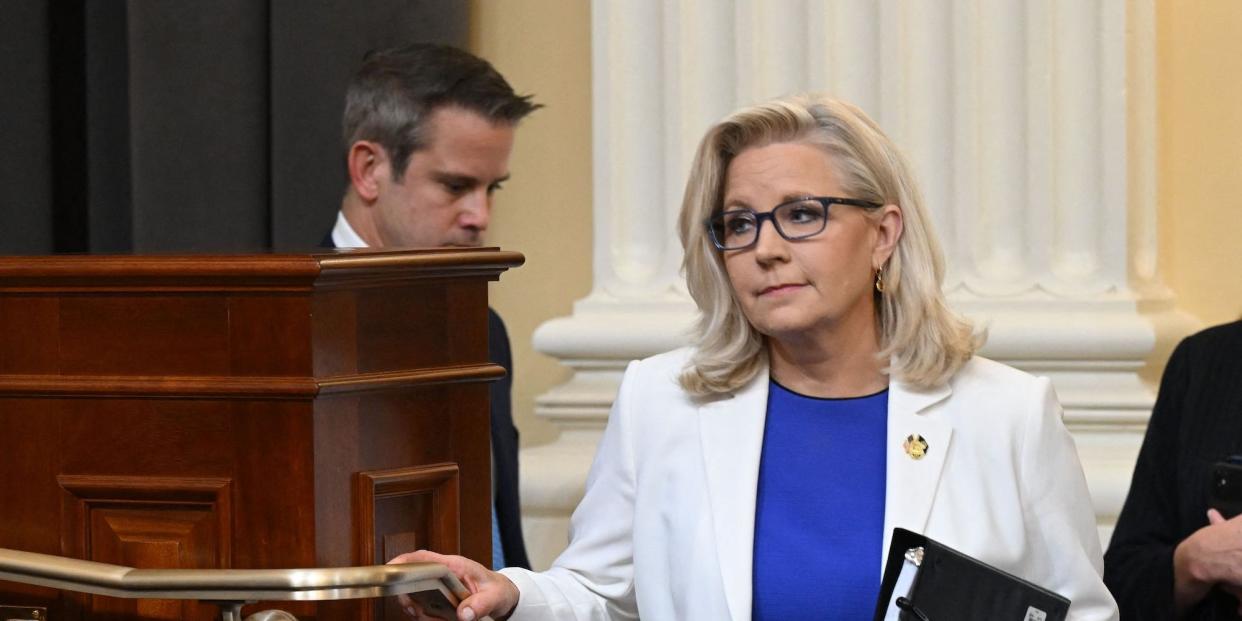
[[445, 195]]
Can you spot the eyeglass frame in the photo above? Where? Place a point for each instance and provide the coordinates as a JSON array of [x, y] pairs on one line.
[[825, 201]]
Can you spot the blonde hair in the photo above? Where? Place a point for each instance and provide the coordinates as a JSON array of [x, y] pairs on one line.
[[922, 341]]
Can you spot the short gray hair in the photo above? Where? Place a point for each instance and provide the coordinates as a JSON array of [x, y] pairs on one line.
[[392, 94]]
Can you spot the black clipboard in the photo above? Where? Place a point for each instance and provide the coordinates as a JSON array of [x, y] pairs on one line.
[[946, 585]]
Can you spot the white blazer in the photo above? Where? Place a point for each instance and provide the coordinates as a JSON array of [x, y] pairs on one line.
[[666, 527]]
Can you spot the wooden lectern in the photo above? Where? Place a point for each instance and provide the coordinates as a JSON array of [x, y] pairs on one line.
[[257, 411]]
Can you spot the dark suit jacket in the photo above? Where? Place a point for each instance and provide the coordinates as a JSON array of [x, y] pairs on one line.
[[504, 441], [1197, 421]]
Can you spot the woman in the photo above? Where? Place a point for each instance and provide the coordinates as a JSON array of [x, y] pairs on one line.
[[1171, 557], [829, 397]]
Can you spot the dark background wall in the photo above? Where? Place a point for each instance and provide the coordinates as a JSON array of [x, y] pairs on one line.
[[181, 125]]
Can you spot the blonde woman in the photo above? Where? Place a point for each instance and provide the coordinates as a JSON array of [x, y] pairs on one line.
[[830, 395]]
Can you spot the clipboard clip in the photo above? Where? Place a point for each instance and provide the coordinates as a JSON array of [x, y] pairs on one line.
[[908, 607], [900, 607]]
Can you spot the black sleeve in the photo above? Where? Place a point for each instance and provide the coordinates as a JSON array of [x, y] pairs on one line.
[[505, 447], [1138, 567]]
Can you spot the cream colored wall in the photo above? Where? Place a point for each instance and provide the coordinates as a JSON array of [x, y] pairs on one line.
[[542, 47], [1199, 133]]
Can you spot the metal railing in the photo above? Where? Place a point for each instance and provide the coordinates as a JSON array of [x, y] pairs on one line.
[[231, 588]]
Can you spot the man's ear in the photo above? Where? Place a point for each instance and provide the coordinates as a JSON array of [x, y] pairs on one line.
[[368, 165], [890, 225]]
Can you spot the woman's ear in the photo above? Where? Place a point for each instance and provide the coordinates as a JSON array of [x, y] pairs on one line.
[[368, 163], [889, 228]]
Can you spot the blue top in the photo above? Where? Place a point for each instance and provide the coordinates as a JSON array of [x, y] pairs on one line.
[[819, 514]]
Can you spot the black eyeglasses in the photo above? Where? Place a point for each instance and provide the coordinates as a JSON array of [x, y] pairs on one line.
[[738, 229]]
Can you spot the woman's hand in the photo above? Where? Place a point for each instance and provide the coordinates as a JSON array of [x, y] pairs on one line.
[[1210, 556], [491, 593]]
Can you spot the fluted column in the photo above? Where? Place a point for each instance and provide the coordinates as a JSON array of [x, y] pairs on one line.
[[1015, 117]]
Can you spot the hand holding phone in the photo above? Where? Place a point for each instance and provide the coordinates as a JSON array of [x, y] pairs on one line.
[[1225, 494]]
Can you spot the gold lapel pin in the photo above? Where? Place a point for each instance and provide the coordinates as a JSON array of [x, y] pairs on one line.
[[915, 446]]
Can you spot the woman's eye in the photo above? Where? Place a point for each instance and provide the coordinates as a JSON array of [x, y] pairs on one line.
[[805, 213], [737, 226]]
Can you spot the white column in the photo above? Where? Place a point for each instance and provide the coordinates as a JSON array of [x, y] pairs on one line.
[[1015, 117]]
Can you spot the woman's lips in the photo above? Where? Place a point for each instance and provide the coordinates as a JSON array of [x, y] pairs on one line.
[[779, 289]]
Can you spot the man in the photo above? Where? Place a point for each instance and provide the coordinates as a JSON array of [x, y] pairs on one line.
[[428, 130]]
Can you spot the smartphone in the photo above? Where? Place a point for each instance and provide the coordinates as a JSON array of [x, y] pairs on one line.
[[1226, 491], [437, 605], [437, 600]]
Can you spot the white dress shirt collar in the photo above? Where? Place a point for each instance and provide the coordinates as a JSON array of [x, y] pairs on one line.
[[344, 235]]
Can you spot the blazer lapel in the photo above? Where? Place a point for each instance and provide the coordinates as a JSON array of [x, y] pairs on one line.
[[911, 483], [731, 432]]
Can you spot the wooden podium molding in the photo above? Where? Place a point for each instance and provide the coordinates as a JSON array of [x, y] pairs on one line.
[[404, 509], [381, 494], [246, 411]]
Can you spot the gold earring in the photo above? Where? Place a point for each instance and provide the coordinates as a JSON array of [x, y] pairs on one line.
[[879, 279]]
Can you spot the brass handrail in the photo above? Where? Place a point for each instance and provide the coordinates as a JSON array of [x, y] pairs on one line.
[[226, 585]]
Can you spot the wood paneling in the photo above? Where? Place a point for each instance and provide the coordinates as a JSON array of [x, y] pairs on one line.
[[139, 334], [405, 509], [152, 522], [34, 347], [269, 335], [226, 412], [401, 510]]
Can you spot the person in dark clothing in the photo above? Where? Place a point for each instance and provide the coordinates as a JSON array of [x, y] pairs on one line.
[[428, 130], [1171, 556]]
